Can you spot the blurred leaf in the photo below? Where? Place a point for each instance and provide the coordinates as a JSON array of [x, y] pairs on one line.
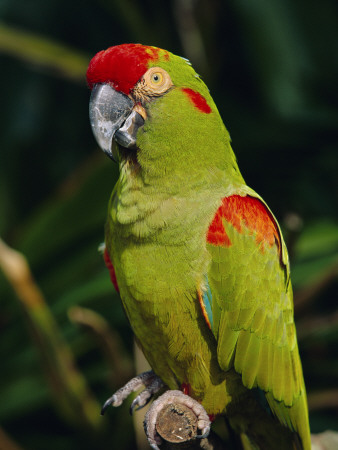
[[75, 214], [315, 252], [69, 386], [7, 443], [108, 341], [314, 330], [318, 239], [22, 396], [57, 58]]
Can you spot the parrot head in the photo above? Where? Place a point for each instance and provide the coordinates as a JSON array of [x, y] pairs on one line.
[[123, 79], [150, 106]]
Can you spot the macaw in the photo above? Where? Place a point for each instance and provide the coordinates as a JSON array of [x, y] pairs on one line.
[[196, 255]]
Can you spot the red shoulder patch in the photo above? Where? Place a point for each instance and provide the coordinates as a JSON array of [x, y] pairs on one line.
[[247, 211], [122, 65], [216, 233], [111, 269], [198, 100]]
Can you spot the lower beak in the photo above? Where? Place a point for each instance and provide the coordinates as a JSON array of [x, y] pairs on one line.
[[112, 117]]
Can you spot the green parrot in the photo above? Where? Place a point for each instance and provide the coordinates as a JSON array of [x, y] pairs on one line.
[[196, 255]]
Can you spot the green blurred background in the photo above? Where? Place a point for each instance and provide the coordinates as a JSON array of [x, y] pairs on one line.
[[272, 69]]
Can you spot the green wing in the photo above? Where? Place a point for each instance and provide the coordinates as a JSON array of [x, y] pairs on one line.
[[252, 309]]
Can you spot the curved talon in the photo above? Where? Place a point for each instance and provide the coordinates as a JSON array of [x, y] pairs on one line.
[[205, 426], [140, 401], [111, 400], [205, 431], [133, 406], [152, 385]]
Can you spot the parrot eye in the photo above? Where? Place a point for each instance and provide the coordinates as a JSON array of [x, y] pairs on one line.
[[156, 78], [157, 81]]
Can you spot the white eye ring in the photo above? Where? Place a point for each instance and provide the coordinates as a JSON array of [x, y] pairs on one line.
[[157, 80]]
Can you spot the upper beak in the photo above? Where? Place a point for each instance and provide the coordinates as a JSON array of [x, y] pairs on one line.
[[112, 117]]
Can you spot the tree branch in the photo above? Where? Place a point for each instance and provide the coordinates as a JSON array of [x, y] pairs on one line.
[[177, 426]]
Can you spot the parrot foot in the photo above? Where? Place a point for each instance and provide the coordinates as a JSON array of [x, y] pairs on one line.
[[152, 384], [174, 398]]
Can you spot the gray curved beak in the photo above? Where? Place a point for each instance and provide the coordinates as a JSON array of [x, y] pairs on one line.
[[108, 110]]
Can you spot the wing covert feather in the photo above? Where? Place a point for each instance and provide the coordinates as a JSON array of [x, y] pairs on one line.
[[252, 301]]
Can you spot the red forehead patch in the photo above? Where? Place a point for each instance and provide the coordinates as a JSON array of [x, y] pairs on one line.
[[122, 65]]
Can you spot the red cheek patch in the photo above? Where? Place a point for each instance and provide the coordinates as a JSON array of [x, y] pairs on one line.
[[197, 100]]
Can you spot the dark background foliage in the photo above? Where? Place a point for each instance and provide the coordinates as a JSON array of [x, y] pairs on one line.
[[272, 69]]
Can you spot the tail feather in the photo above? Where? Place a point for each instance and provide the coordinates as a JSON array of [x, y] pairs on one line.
[[295, 417]]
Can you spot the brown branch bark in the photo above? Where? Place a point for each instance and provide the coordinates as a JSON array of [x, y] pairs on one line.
[[177, 426]]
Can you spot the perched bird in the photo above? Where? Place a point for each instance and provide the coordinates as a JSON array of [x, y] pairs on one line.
[[196, 255]]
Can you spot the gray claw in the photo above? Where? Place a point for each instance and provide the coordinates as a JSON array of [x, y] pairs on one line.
[[111, 400], [141, 400], [152, 385], [205, 431]]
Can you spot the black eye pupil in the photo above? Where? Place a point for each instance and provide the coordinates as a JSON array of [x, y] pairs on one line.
[[155, 77]]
